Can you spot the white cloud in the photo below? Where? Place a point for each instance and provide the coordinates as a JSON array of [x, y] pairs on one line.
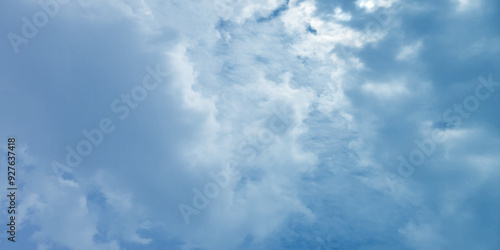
[[60, 213], [422, 236], [226, 79], [328, 34], [239, 11], [236, 75], [409, 52], [467, 5], [341, 15], [385, 90], [372, 5], [59, 208]]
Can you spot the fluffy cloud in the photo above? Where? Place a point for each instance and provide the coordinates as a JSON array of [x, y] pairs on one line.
[[327, 178], [372, 5]]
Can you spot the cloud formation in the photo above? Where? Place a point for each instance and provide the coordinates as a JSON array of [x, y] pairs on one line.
[[305, 108]]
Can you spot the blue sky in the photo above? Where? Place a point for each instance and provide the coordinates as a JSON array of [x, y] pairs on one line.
[[279, 124]]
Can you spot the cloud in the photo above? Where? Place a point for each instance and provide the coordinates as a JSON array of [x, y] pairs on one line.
[[422, 236], [384, 90], [240, 11], [59, 210], [410, 51], [326, 36], [466, 5], [341, 16], [234, 67], [372, 5]]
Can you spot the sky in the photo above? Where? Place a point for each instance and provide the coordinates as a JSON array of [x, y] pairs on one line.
[[278, 124]]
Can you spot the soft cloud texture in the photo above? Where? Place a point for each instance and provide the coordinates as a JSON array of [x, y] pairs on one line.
[[351, 88]]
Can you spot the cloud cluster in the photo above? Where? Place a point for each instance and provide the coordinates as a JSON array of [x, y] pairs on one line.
[[328, 179]]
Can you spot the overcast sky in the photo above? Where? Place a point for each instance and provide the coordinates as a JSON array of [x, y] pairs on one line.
[[259, 124]]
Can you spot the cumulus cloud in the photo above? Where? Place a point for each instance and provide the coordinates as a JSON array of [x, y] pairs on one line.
[[372, 5], [238, 71]]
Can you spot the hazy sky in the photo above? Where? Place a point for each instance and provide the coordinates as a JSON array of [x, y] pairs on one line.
[[278, 124]]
